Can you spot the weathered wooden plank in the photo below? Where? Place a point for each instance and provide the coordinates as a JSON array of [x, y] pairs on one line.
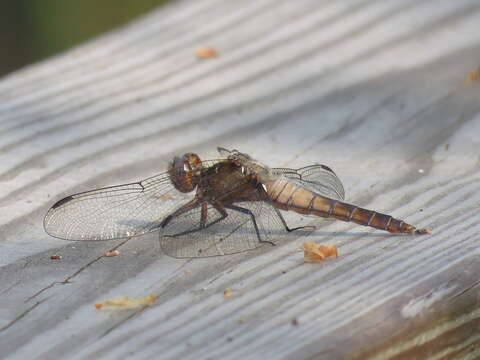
[[376, 90]]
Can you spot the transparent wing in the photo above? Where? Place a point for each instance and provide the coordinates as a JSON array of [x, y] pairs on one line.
[[317, 178], [116, 211], [247, 226]]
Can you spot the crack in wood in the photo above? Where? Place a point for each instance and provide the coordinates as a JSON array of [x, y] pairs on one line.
[[46, 288], [468, 288], [22, 315], [67, 280], [10, 287]]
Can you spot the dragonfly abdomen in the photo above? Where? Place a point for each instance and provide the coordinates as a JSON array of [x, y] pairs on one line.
[[347, 212], [288, 196]]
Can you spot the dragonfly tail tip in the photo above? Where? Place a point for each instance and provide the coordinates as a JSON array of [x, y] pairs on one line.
[[423, 232]]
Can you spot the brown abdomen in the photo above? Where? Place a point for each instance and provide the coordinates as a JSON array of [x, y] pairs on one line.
[[286, 195]]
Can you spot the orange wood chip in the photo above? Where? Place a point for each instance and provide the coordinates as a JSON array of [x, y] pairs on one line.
[[56, 257], [227, 292], [126, 302], [205, 53], [474, 75], [313, 252], [112, 253]]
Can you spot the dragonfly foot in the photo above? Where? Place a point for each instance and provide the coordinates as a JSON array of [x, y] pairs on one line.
[[268, 242], [301, 227], [166, 221]]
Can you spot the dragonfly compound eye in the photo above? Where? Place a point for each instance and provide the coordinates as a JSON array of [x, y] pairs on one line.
[[182, 172]]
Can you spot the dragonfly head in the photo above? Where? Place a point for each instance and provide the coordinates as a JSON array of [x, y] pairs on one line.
[[184, 172]]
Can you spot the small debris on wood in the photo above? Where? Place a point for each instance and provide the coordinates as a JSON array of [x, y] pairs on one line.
[[56, 257], [473, 76], [205, 52], [421, 171], [227, 293], [112, 253], [126, 302], [295, 322], [313, 252], [447, 146]]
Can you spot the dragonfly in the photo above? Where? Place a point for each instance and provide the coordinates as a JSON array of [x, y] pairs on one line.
[[213, 207]]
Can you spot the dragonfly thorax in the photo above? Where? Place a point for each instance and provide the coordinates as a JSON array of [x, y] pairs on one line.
[[184, 172], [249, 166]]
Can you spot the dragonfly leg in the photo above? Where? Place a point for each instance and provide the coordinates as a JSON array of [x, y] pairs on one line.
[[286, 226], [204, 214], [248, 212], [187, 207], [203, 219], [279, 214]]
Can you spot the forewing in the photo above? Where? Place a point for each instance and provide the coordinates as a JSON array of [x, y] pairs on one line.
[[182, 238], [116, 211], [317, 178]]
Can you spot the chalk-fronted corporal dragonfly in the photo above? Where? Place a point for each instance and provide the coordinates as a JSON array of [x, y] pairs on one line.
[[209, 208]]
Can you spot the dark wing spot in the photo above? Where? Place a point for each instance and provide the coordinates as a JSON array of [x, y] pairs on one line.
[[327, 168], [62, 202]]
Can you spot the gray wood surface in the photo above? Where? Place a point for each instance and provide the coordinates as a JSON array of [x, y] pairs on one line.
[[375, 89]]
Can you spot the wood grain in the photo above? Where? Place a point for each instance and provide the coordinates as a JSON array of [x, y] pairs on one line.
[[378, 91]]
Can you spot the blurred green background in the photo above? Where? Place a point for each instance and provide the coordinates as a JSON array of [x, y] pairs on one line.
[[31, 30]]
